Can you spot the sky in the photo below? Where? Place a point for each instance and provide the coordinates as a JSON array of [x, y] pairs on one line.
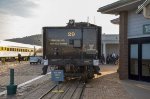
[[20, 18]]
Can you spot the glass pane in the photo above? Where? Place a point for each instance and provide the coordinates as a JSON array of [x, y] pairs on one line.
[[134, 59], [145, 59]]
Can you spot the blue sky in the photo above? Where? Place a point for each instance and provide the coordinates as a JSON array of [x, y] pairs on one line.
[[21, 18]]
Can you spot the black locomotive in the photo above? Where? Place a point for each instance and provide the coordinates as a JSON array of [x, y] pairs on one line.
[[73, 48]]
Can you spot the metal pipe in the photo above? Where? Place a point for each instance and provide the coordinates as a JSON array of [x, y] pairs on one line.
[[11, 76]]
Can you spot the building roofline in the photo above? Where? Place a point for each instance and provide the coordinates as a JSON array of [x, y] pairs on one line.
[[114, 8]]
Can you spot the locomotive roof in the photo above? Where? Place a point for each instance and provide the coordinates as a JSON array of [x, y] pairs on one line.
[[15, 44], [82, 24]]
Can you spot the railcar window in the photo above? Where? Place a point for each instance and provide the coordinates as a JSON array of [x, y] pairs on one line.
[[7, 49], [2, 48]]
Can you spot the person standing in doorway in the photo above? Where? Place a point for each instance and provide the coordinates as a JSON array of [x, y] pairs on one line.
[[44, 69]]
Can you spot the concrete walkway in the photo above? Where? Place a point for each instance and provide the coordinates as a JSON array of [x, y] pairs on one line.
[[108, 86], [137, 89]]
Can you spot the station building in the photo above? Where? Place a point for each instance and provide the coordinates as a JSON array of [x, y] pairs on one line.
[[134, 37], [110, 44]]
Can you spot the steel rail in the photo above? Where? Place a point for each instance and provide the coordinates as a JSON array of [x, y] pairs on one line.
[[47, 92]]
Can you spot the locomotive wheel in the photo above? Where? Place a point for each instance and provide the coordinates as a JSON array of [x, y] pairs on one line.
[[90, 72], [84, 75]]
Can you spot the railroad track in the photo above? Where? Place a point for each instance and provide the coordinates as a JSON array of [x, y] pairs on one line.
[[48, 92], [73, 89]]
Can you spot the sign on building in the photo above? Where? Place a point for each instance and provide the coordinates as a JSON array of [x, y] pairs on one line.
[[146, 29]]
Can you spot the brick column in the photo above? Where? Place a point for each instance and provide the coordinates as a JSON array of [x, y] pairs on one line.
[[123, 50]]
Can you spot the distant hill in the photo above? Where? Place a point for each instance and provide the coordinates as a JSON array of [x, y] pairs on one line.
[[33, 39]]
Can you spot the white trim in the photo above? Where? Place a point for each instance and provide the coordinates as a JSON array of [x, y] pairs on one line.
[[27, 82], [145, 10]]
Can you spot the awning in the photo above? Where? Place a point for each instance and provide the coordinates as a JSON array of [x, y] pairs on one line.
[[121, 5]]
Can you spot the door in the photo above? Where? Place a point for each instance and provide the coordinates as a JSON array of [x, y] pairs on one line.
[[133, 62], [145, 67]]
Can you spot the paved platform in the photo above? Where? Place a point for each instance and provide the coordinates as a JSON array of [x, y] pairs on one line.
[[5, 68], [137, 89], [108, 86], [105, 86], [23, 73]]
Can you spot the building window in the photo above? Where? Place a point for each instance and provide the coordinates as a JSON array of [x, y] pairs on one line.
[[145, 60], [134, 59]]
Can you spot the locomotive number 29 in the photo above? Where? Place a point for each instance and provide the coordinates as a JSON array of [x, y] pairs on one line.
[[71, 33]]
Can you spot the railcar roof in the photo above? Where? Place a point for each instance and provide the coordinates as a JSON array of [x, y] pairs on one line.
[[15, 44]]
